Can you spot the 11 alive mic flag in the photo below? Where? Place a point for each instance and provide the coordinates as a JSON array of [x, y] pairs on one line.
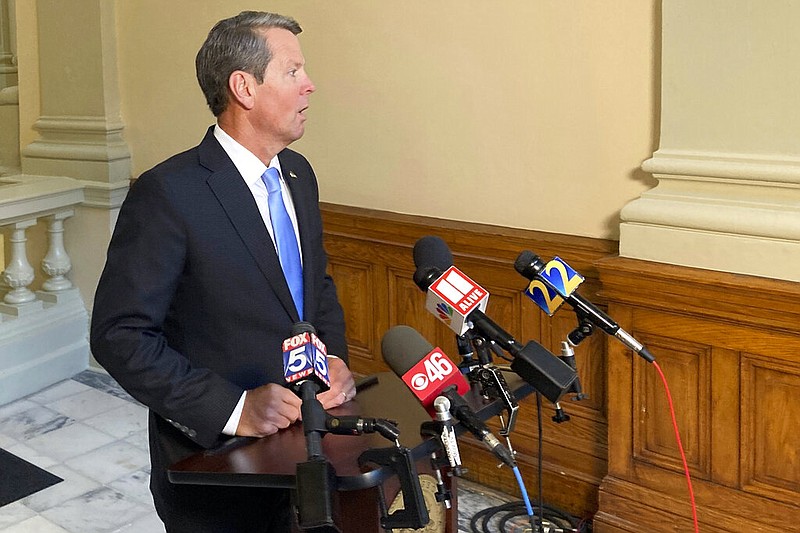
[[453, 296]]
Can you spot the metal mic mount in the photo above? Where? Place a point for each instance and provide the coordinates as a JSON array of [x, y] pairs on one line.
[[493, 386], [490, 380], [568, 356], [316, 478], [414, 515]]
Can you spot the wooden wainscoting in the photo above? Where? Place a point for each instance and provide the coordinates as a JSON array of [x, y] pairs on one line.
[[729, 346], [370, 255]]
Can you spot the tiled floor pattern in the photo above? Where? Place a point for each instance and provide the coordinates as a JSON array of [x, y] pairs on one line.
[[89, 432]]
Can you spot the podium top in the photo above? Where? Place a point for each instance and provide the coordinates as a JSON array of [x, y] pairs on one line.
[[272, 461]]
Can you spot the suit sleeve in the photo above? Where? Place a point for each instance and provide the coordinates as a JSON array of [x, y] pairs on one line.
[[144, 265]]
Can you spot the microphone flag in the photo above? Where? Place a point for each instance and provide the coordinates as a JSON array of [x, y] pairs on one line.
[[453, 296]]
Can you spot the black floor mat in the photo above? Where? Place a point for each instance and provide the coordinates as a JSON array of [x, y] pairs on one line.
[[19, 478]]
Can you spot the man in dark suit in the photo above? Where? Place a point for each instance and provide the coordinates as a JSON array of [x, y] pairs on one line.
[[193, 304]]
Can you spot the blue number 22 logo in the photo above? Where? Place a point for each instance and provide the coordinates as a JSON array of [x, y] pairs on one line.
[[560, 280]]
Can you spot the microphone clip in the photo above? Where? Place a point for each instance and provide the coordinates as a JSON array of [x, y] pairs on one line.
[[493, 386], [584, 329]]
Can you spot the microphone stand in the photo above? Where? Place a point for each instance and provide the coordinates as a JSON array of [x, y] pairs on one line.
[[492, 383], [584, 329], [316, 478], [414, 514]]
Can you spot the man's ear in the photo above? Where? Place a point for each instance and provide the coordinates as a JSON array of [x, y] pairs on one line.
[[242, 88]]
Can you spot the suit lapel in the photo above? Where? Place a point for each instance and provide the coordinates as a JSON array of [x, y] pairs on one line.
[[235, 198]]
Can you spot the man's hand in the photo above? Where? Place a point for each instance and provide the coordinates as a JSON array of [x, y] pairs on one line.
[[343, 387], [267, 409]]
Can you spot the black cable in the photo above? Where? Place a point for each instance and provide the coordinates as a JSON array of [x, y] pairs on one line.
[[553, 515], [541, 451]]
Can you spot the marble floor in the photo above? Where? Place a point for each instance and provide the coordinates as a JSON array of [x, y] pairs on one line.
[[89, 432]]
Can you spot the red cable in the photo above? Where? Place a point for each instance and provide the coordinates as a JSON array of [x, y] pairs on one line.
[[680, 447]]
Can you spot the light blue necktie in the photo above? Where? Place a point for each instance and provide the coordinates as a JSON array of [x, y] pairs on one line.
[[283, 231]]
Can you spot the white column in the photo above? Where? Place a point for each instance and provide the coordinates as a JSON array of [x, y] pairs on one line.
[[728, 164], [80, 127]]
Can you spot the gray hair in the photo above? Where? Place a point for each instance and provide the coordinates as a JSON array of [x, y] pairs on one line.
[[236, 43]]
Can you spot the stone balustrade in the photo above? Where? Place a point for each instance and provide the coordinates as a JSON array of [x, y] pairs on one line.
[[44, 323]]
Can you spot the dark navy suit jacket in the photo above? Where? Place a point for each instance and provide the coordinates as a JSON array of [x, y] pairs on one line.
[[192, 306]]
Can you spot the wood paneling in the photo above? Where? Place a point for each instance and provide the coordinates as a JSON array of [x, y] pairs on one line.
[[370, 255], [729, 346]]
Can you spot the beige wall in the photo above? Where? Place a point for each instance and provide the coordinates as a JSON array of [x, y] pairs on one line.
[[526, 114]]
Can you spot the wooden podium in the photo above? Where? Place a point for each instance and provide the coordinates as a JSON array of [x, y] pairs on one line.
[[272, 461]]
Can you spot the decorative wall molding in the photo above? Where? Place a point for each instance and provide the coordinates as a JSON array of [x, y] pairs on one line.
[[90, 148], [771, 168], [713, 210], [104, 195]]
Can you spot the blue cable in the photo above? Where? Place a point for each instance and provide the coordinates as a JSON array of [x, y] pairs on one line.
[[524, 492]]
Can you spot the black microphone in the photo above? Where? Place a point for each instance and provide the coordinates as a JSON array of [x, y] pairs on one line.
[[432, 251], [305, 369], [550, 376], [356, 425], [531, 266], [402, 348]]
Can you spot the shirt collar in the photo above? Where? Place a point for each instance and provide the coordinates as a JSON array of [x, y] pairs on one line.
[[249, 166]]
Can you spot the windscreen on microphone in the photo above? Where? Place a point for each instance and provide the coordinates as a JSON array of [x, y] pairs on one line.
[[432, 251], [425, 370], [403, 347], [528, 264]]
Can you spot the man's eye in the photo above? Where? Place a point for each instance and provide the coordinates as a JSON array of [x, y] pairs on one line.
[[293, 72]]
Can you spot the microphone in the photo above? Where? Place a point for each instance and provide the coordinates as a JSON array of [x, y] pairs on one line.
[[555, 282], [451, 294], [534, 363], [305, 359], [356, 425], [424, 369], [305, 370], [447, 435], [568, 356], [406, 351]]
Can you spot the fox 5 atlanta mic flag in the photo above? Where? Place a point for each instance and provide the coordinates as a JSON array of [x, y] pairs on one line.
[[453, 296]]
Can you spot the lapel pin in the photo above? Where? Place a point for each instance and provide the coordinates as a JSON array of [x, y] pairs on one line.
[[292, 175]]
